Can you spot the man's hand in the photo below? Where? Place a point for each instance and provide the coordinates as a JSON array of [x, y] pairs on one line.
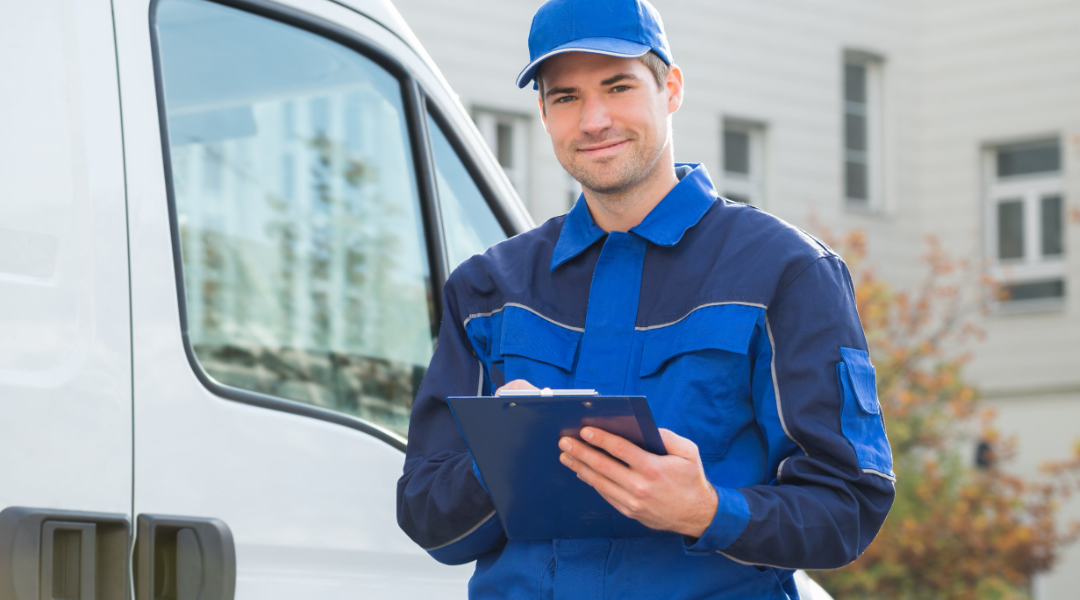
[[668, 493], [517, 384]]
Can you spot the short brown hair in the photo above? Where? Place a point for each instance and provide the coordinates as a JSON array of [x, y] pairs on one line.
[[656, 65]]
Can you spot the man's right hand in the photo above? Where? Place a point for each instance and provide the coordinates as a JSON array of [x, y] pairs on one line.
[[517, 384]]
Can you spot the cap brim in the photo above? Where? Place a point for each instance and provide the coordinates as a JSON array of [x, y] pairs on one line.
[[600, 45]]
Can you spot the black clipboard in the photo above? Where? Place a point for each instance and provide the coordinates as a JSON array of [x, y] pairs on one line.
[[514, 440]]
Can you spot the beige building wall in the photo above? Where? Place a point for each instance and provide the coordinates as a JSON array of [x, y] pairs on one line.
[[995, 72], [958, 76]]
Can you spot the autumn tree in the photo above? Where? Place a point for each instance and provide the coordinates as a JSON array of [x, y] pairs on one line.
[[957, 530]]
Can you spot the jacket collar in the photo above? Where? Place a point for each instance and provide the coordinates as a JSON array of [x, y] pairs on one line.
[[665, 225]]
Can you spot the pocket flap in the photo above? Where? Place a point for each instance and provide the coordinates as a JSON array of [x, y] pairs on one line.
[[863, 381], [727, 327], [527, 334]]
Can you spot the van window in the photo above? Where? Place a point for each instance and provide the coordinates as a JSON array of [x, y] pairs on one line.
[[470, 226], [305, 266]]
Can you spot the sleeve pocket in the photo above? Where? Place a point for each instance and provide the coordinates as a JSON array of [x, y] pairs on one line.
[[861, 420]]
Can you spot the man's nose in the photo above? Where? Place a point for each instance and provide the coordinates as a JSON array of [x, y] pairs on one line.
[[595, 116]]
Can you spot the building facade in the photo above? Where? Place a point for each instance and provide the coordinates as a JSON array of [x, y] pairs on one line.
[[955, 118]]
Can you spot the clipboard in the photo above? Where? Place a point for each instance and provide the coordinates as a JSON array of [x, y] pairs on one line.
[[514, 440]]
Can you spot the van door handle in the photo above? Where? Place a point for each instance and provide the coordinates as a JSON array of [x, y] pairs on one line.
[[48, 554], [184, 558]]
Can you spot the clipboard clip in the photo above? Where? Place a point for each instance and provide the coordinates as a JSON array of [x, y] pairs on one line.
[[547, 393]]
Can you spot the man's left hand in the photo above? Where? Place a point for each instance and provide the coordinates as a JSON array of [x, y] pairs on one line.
[[668, 493]]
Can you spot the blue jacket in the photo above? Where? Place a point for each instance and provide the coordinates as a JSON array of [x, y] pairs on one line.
[[742, 332]]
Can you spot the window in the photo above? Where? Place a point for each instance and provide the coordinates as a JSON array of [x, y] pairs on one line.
[[305, 267], [744, 162], [863, 179], [469, 224], [1026, 222], [507, 135]]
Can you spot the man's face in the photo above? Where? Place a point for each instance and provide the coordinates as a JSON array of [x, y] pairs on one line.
[[609, 121]]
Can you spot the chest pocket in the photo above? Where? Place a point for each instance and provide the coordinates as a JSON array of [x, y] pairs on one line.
[[696, 374], [535, 349]]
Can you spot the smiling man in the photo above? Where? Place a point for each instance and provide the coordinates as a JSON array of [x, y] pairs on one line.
[[740, 329]]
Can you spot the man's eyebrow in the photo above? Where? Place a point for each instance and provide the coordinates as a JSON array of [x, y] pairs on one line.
[[610, 80], [618, 78], [562, 90]]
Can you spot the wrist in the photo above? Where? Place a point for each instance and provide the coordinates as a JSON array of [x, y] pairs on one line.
[[705, 515]]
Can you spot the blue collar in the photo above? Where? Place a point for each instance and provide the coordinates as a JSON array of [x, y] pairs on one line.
[[665, 225]]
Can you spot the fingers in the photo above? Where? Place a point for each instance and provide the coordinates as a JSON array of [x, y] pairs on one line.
[[679, 446], [663, 492], [517, 384], [617, 496], [577, 455], [616, 446]]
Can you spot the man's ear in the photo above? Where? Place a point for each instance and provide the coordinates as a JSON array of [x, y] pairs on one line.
[[674, 88], [543, 113]]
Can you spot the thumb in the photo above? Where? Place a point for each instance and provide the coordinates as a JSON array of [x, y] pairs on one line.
[[517, 384], [679, 446]]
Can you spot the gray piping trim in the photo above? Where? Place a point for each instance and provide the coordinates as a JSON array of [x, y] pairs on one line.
[[522, 306], [696, 308], [776, 387], [870, 471], [462, 536], [780, 468], [480, 384], [880, 474], [752, 564]]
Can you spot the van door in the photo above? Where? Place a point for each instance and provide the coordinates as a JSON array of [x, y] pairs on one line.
[[287, 265], [65, 358]]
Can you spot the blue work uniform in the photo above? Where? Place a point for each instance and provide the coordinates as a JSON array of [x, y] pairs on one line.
[[741, 331]]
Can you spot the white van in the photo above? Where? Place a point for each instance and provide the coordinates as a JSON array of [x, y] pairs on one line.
[[224, 228]]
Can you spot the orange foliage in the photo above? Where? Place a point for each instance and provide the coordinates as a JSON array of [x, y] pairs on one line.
[[955, 530]]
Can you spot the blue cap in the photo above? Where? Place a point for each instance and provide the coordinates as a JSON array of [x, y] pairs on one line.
[[623, 28]]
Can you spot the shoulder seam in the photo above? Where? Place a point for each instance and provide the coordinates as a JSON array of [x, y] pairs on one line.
[[781, 291]]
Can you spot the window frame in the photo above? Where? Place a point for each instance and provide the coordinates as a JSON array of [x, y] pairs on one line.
[[416, 104], [487, 121], [471, 162], [1029, 189], [874, 117], [753, 186]]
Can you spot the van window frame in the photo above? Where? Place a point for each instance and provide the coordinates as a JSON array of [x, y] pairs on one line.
[[471, 162], [417, 105]]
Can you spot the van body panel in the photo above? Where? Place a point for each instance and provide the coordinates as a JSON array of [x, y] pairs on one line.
[[65, 359]]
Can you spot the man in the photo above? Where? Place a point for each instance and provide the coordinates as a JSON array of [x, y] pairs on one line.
[[740, 330]]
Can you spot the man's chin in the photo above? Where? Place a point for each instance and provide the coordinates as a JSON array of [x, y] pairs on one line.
[[609, 186]]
